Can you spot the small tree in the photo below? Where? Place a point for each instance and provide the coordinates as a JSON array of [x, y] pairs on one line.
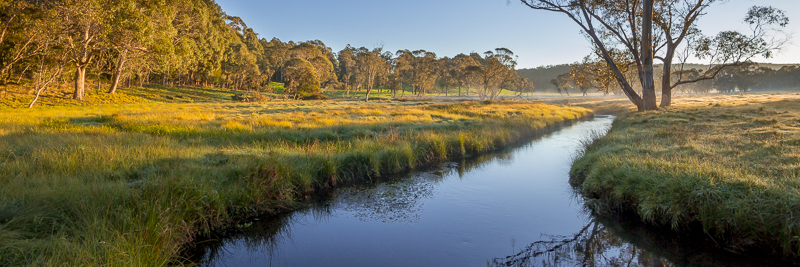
[[300, 78]]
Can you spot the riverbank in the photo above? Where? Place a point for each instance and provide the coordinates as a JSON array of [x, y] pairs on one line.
[[129, 184], [725, 165]]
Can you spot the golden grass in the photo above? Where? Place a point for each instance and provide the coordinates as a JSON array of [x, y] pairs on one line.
[[129, 184]]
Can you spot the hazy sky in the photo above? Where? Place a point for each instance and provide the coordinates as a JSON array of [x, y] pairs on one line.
[[449, 27]]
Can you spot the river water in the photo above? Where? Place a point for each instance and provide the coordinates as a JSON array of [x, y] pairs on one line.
[[509, 208]]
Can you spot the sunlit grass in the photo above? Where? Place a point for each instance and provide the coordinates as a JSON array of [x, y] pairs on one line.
[[129, 184], [729, 164]]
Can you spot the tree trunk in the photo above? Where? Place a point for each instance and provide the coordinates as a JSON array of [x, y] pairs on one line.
[[648, 85], [666, 80], [80, 82], [19, 79], [38, 92]]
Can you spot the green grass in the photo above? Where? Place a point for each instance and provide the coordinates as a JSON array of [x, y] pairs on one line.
[[726, 165], [129, 184], [384, 94]]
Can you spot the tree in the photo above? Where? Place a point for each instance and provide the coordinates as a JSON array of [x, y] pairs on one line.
[[496, 68], [728, 48], [301, 78], [461, 63], [369, 65], [629, 25], [447, 74], [347, 67], [611, 16], [524, 85], [562, 83], [130, 35], [426, 71], [52, 61], [21, 35], [85, 24]]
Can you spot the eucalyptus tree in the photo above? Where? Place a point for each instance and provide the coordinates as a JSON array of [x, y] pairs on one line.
[[648, 29], [461, 63], [404, 69], [370, 64], [597, 18], [523, 85], [563, 83], [318, 56], [85, 25], [275, 53], [448, 74], [240, 64], [21, 34], [132, 32], [496, 68], [300, 78], [51, 62], [199, 39], [676, 20], [425, 71], [347, 67]]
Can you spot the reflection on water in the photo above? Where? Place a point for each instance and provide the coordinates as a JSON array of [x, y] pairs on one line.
[[623, 240], [399, 201], [511, 208]]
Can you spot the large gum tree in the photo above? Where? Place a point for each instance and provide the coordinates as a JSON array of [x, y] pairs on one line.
[[658, 29]]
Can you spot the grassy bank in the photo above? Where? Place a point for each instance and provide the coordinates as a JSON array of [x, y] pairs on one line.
[[727, 165], [128, 184]]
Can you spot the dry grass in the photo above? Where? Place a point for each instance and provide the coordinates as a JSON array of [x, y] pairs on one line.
[[727, 163], [128, 184]]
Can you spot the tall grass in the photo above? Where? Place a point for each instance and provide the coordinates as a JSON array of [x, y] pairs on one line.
[[128, 185], [727, 167]]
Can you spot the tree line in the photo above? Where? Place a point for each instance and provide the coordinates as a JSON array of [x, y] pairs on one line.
[[193, 42], [591, 76]]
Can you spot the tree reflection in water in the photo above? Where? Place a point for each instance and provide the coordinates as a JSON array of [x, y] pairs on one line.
[[393, 200], [593, 245], [624, 240]]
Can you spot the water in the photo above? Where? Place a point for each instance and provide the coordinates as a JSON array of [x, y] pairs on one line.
[[511, 208]]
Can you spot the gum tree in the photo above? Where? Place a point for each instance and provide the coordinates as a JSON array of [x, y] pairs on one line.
[[658, 29], [596, 18], [85, 24]]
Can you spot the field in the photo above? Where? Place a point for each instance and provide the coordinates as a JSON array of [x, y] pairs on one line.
[[726, 165], [129, 183]]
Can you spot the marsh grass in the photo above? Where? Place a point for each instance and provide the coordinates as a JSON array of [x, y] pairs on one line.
[[129, 184], [727, 165]]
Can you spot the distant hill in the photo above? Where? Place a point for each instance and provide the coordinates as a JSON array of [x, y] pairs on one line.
[[541, 76]]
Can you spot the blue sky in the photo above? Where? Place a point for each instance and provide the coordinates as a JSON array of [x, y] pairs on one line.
[[449, 27]]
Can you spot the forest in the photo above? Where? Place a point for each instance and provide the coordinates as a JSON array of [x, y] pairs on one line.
[[195, 43]]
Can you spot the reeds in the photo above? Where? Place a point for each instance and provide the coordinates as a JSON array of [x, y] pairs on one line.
[[128, 185]]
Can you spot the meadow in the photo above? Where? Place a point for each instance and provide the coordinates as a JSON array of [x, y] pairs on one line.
[[128, 180], [724, 166]]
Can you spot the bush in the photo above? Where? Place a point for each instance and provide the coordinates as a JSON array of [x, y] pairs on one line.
[[253, 96], [315, 96]]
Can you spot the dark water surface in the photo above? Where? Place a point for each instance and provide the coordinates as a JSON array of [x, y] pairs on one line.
[[511, 208]]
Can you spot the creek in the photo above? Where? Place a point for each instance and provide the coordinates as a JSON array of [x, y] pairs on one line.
[[509, 208]]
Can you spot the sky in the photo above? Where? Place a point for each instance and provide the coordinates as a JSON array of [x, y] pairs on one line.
[[450, 27]]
